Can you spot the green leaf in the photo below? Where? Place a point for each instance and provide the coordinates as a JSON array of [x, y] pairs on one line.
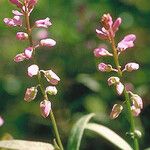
[[25, 145], [110, 135], [77, 132]]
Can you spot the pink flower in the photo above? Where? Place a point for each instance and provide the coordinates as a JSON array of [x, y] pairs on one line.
[[135, 111], [19, 57], [51, 90], [16, 21], [33, 70], [21, 36], [113, 80], [109, 28], [127, 42], [17, 13], [28, 52], [119, 88], [137, 101], [30, 94], [31, 3], [1, 121], [116, 24], [16, 2], [45, 107], [131, 66], [47, 42], [98, 52], [51, 77], [104, 67], [116, 110], [44, 23]]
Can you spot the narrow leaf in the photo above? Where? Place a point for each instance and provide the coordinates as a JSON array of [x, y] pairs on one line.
[[77, 132], [110, 135], [25, 145]]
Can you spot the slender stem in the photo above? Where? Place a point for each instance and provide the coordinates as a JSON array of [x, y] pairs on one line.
[[29, 31], [131, 119]]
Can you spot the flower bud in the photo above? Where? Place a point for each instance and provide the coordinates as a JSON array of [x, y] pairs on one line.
[[30, 94], [98, 52], [22, 36], [138, 134], [47, 42], [44, 23], [116, 110], [101, 34], [137, 101], [51, 77], [28, 52], [119, 88], [131, 66], [1, 121], [33, 70], [51, 90], [116, 24], [107, 21], [19, 57], [17, 13], [135, 111], [45, 107], [17, 3], [113, 80], [105, 67]]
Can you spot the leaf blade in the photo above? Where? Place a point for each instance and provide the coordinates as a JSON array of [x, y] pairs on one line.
[[110, 135], [25, 145], [77, 132]]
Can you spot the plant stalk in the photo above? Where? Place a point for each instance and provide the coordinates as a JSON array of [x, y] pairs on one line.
[[29, 32], [127, 99]]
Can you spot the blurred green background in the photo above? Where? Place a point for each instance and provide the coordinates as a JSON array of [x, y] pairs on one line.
[[83, 89]]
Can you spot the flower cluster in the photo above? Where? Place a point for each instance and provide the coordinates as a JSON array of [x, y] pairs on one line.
[[108, 32], [25, 8]]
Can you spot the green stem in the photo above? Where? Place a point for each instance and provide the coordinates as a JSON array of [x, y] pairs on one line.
[[29, 32], [131, 119]]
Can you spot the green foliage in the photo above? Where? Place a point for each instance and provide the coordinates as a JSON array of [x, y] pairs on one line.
[[77, 132], [25, 145]]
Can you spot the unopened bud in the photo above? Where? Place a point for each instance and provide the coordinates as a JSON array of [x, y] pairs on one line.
[[113, 80], [51, 90], [119, 88], [105, 67], [30, 94], [116, 110], [51, 77], [135, 111], [137, 101], [19, 57], [33, 70], [47, 42], [131, 66], [106, 21], [45, 107], [21, 36]]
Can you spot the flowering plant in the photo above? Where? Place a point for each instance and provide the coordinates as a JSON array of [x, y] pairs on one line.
[[133, 101]]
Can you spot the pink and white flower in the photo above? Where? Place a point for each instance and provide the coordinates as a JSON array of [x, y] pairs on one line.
[[127, 42], [33, 70], [30, 94], [28, 52], [105, 67], [19, 57], [1, 121], [45, 107], [43, 23], [113, 80], [116, 110], [98, 52], [51, 77], [21, 36], [131, 67], [48, 42], [51, 90], [119, 88]]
